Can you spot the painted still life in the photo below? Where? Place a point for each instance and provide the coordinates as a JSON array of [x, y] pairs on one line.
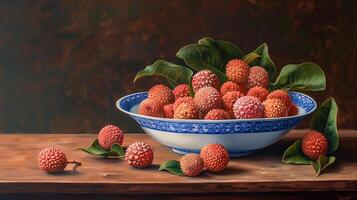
[[235, 99]]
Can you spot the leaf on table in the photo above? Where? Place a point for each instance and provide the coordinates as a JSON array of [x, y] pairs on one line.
[[294, 155], [322, 163], [325, 121], [172, 166], [264, 60], [200, 57], [306, 76], [175, 74], [227, 50], [96, 149]]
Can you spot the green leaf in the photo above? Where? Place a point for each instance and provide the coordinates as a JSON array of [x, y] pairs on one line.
[[264, 60], [175, 74], [293, 155], [200, 57], [322, 163], [250, 57], [96, 149], [304, 77], [227, 50], [172, 166], [325, 121]]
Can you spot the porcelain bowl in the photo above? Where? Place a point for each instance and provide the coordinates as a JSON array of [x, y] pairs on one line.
[[239, 136]]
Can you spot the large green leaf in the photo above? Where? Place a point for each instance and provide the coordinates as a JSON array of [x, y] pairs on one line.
[[200, 57], [172, 166], [249, 58], [306, 76], [96, 149], [264, 60], [175, 74], [322, 163], [227, 50], [294, 155], [325, 121]]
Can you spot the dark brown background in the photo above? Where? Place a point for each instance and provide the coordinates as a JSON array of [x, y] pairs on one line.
[[63, 64]]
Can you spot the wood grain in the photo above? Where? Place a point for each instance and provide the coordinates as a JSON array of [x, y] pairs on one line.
[[261, 172]]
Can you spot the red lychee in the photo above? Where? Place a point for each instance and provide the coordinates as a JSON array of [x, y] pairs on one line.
[[294, 110], [282, 95], [53, 160], [191, 164], [314, 144], [150, 107], [161, 94], [110, 135], [181, 90], [186, 111], [206, 99], [237, 71], [217, 114], [205, 78], [248, 107], [169, 111], [258, 76], [274, 108], [228, 101], [182, 100], [139, 155], [259, 92], [215, 157], [228, 87]]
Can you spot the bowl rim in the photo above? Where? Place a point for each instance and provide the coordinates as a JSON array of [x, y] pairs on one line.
[[212, 121]]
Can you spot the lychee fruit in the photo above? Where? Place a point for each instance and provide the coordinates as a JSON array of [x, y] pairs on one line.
[[314, 144], [248, 107], [182, 100], [294, 110], [110, 135], [161, 94], [259, 92], [150, 107], [169, 111], [274, 108], [139, 155], [258, 76], [53, 160], [215, 157], [206, 99], [181, 90], [228, 101], [237, 70], [217, 114], [228, 87], [282, 95], [205, 78], [186, 111], [191, 164]]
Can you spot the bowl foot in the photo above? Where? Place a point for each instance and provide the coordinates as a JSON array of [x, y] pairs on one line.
[[232, 154]]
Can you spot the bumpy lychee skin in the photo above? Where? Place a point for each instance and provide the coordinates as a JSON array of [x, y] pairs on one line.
[[206, 99], [161, 94], [314, 144], [228, 101], [181, 91], [150, 107], [248, 107], [237, 71], [186, 111], [205, 78], [215, 157], [139, 155], [110, 135], [182, 100], [217, 114], [258, 76], [228, 86], [294, 110], [282, 95], [191, 164], [274, 108], [52, 160], [169, 111], [259, 92]]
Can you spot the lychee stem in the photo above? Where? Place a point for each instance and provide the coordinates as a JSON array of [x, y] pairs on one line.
[[76, 164]]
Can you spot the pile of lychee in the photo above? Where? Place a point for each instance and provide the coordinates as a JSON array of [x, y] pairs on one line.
[[138, 154], [244, 96], [212, 158]]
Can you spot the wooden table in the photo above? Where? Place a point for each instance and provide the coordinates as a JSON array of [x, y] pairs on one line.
[[261, 175]]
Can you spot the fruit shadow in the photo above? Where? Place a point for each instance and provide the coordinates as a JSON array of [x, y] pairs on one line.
[[227, 172]]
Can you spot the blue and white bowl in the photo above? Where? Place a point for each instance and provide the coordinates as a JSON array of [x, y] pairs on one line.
[[239, 136]]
